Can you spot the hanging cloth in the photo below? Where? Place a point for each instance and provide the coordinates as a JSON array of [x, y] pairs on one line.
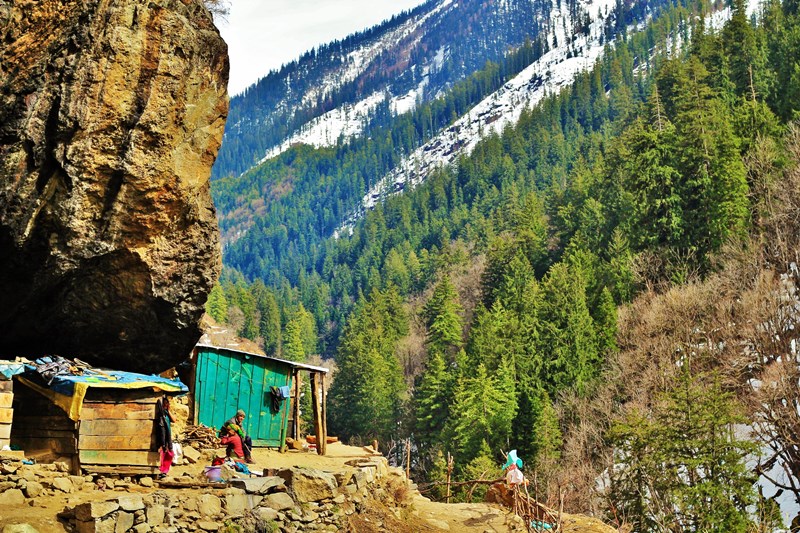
[[277, 399]]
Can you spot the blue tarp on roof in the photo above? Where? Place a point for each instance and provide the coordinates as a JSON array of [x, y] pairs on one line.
[[66, 382], [114, 379], [9, 369]]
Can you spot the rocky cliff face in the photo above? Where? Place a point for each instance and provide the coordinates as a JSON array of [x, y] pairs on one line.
[[111, 115]]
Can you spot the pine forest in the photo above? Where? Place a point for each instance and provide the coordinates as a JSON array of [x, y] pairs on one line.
[[608, 286]]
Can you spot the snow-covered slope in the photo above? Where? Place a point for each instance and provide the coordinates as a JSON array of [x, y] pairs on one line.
[[551, 73]]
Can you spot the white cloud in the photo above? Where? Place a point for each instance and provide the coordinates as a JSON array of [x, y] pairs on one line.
[[264, 34]]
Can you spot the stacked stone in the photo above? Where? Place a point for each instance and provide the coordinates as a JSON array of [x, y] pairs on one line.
[[20, 483], [296, 500]]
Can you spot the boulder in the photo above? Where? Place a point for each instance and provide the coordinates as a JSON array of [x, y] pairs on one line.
[[131, 502], [190, 454], [111, 115], [12, 497], [278, 501], [124, 522], [309, 484], [155, 514], [259, 485], [238, 501], [63, 484], [209, 505], [92, 510], [20, 528], [33, 489]]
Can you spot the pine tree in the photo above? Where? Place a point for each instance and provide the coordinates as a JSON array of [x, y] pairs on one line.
[[684, 465], [483, 409], [368, 401], [270, 326], [217, 304], [568, 338], [443, 319], [431, 399], [293, 349]]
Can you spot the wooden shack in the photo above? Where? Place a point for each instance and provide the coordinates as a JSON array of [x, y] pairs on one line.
[[101, 422], [223, 380]]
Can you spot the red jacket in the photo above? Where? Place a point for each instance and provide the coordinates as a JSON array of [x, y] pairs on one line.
[[234, 443]]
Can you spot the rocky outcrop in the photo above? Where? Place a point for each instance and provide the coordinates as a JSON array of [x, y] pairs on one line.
[[111, 115]]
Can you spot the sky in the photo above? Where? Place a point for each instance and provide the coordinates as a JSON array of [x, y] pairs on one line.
[[262, 35]]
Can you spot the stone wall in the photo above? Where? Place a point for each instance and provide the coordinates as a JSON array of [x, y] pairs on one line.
[[294, 500]]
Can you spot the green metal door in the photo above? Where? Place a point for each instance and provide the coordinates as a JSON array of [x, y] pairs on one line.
[[228, 380]]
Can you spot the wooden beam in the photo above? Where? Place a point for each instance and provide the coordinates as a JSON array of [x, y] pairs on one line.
[[6, 385], [324, 414], [120, 470], [116, 427], [122, 411], [6, 415], [296, 406], [37, 432], [191, 484], [316, 406], [50, 422], [118, 457], [105, 442], [5, 431], [62, 445], [6, 399]]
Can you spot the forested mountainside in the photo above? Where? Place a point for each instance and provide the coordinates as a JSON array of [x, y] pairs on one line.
[[414, 57], [478, 312]]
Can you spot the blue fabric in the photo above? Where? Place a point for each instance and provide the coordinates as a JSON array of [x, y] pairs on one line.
[[8, 370], [65, 384], [285, 391]]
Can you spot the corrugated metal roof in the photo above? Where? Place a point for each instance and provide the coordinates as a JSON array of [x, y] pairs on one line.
[[293, 364]]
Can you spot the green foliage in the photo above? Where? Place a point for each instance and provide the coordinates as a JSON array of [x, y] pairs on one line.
[[483, 466], [684, 464], [630, 177], [217, 304], [432, 399], [486, 405], [443, 319], [367, 400]]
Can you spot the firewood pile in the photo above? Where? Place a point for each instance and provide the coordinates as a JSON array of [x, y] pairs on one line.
[[200, 437]]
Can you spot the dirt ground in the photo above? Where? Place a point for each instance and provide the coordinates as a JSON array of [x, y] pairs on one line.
[[421, 515]]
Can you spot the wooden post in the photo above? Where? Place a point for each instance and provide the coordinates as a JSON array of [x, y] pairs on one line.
[[408, 459], [319, 416], [449, 471], [322, 403], [296, 406]]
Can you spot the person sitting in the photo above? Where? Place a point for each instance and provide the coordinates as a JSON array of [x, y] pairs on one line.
[[233, 441], [247, 443]]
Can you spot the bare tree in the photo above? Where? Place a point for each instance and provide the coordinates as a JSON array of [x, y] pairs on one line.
[[219, 9]]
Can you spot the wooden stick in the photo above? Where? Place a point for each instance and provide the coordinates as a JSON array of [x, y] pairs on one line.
[[449, 471], [408, 459]]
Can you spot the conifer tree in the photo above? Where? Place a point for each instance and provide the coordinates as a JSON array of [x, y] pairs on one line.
[[685, 464], [293, 341], [367, 402], [568, 336], [217, 304], [443, 319], [483, 410], [431, 398], [270, 325]]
